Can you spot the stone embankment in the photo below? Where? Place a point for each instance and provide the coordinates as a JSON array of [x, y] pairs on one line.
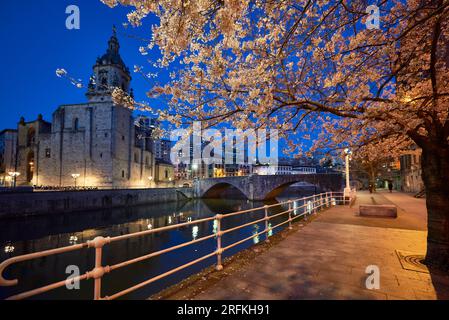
[[14, 204]]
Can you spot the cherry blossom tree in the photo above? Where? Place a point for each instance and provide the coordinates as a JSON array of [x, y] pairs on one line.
[[312, 65], [374, 159]]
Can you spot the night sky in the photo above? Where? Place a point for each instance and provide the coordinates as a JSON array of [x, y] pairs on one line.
[[35, 42]]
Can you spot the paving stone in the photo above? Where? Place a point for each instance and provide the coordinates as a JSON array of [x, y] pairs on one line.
[[327, 259]]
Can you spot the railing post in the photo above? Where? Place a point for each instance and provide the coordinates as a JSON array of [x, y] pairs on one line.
[[290, 208], [266, 223], [333, 201], [98, 272], [305, 209], [97, 280], [219, 266]]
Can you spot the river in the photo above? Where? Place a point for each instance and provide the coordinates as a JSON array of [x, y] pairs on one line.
[[25, 235]]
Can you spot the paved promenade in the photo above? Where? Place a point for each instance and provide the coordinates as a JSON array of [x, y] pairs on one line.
[[327, 258]]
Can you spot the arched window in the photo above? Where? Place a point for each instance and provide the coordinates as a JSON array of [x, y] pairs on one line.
[[76, 124]]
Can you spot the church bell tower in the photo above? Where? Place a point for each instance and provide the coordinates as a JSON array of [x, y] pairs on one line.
[[109, 72]]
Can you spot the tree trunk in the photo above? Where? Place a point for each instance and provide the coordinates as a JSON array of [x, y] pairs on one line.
[[435, 173], [372, 178]]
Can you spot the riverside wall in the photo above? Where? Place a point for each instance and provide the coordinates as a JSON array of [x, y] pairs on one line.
[[16, 204]]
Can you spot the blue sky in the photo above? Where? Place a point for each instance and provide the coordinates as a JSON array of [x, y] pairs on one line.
[[35, 42]]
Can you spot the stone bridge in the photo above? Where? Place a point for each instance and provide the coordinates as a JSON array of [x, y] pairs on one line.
[[257, 187]]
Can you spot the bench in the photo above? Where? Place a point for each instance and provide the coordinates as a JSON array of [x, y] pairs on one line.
[[382, 210]]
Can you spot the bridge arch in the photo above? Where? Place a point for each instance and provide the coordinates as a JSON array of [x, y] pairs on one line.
[[216, 190], [266, 187], [277, 190]]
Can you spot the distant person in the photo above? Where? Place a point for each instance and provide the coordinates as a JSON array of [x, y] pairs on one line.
[[371, 188], [390, 186]]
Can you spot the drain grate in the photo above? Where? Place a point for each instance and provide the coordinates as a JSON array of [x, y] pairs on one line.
[[412, 261]]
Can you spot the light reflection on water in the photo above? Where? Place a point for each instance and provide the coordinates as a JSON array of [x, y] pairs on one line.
[[46, 232], [256, 238]]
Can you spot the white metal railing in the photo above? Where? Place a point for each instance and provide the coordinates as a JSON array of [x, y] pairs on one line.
[[310, 206]]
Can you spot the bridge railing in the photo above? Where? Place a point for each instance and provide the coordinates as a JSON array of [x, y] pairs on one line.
[[310, 205]]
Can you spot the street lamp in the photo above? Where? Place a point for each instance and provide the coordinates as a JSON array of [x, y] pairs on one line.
[[14, 176], [75, 176], [151, 180], [347, 190]]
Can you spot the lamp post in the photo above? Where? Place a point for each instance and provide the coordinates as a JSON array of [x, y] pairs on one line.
[[347, 190], [75, 176], [14, 176], [151, 181]]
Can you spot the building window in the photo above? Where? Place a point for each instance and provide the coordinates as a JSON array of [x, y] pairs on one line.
[[48, 153], [123, 173], [76, 124], [106, 135], [166, 174], [101, 155], [123, 138], [136, 158], [147, 161]]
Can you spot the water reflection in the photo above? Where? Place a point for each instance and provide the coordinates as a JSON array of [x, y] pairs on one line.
[[256, 239], [9, 248], [195, 232], [21, 236], [215, 226], [73, 240], [309, 207]]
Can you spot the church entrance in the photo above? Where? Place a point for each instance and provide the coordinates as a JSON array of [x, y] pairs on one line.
[[30, 166]]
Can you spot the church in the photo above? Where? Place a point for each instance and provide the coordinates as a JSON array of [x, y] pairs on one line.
[[93, 144]]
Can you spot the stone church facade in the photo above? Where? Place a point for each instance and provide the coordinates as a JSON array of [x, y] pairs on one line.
[[97, 140]]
